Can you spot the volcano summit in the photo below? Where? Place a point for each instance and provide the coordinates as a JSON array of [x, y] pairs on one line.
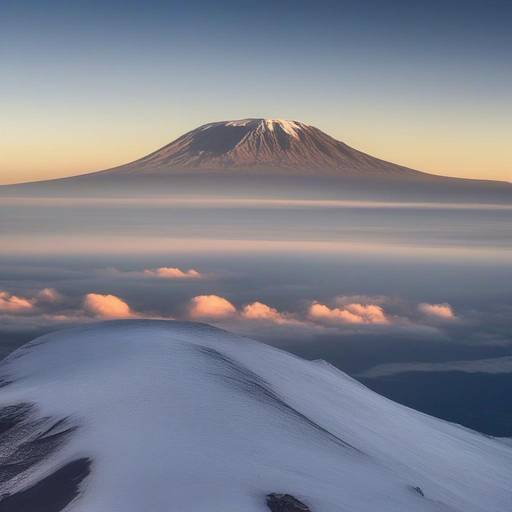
[[268, 157], [286, 147]]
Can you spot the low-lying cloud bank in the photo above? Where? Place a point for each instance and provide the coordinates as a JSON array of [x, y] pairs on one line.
[[339, 316], [214, 307], [342, 315], [164, 273], [172, 273], [496, 365], [48, 307], [342, 312]]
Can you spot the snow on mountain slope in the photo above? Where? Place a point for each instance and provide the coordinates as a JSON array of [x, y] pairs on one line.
[[135, 416]]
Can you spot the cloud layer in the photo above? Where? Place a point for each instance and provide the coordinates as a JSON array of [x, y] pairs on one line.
[[173, 273], [341, 315], [496, 365]]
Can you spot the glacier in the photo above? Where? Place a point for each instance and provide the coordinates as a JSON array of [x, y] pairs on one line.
[[148, 415]]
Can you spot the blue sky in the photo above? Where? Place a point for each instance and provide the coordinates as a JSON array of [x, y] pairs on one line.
[[87, 85]]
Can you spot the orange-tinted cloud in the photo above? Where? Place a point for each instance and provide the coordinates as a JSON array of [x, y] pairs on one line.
[[348, 314], [173, 273], [259, 311], [14, 304], [107, 306], [210, 306], [439, 311]]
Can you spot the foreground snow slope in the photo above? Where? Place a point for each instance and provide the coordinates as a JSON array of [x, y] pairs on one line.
[[166, 416]]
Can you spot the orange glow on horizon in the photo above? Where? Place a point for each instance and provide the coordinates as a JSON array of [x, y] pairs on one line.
[[67, 153]]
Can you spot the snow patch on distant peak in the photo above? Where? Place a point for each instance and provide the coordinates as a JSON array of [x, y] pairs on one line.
[[290, 127], [239, 122]]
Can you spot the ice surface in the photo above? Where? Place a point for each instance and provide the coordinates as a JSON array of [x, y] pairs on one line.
[[290, 127], [186, 417]]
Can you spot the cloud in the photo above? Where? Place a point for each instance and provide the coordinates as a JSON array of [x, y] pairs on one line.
[[495, 366], [49, 295], [14, 304], [318, 318], [438, 311], [10, 303], [173, 273], [348, 314], [259, 311], [210, 306], [107, 306]]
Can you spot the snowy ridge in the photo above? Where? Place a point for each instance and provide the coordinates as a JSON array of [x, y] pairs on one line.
[[290, 127], [178, 416]]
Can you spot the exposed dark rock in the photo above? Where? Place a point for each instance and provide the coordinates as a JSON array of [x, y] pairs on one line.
[[419, 490], [284, 503], [12, 415], [51, 494], [4, 382], [27, 439]]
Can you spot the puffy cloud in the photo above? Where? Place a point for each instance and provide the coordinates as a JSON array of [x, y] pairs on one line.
[[216, 307], [173, 273], [259, 311], [107, 306], [438, 311], [14, 304], [50, 295], [348, 314], [210, 306], [10, 303]]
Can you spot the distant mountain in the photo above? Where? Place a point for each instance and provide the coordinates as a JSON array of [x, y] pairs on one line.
[[261, 145], [162, 416], [267, 157]]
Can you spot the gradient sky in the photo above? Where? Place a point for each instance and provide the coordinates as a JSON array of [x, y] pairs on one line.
[[86, 85]]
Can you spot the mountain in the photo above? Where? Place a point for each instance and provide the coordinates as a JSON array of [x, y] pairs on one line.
[[261, 145], [267, 157], [154, 415]]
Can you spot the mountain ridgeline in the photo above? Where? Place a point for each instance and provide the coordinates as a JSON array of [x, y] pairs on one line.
[[268, 157], [114, 416], [264, 146]]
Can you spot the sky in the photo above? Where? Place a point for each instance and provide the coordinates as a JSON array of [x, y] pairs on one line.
[[87, 85]]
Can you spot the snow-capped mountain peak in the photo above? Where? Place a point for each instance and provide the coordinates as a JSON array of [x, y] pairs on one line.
[[261, 145]]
